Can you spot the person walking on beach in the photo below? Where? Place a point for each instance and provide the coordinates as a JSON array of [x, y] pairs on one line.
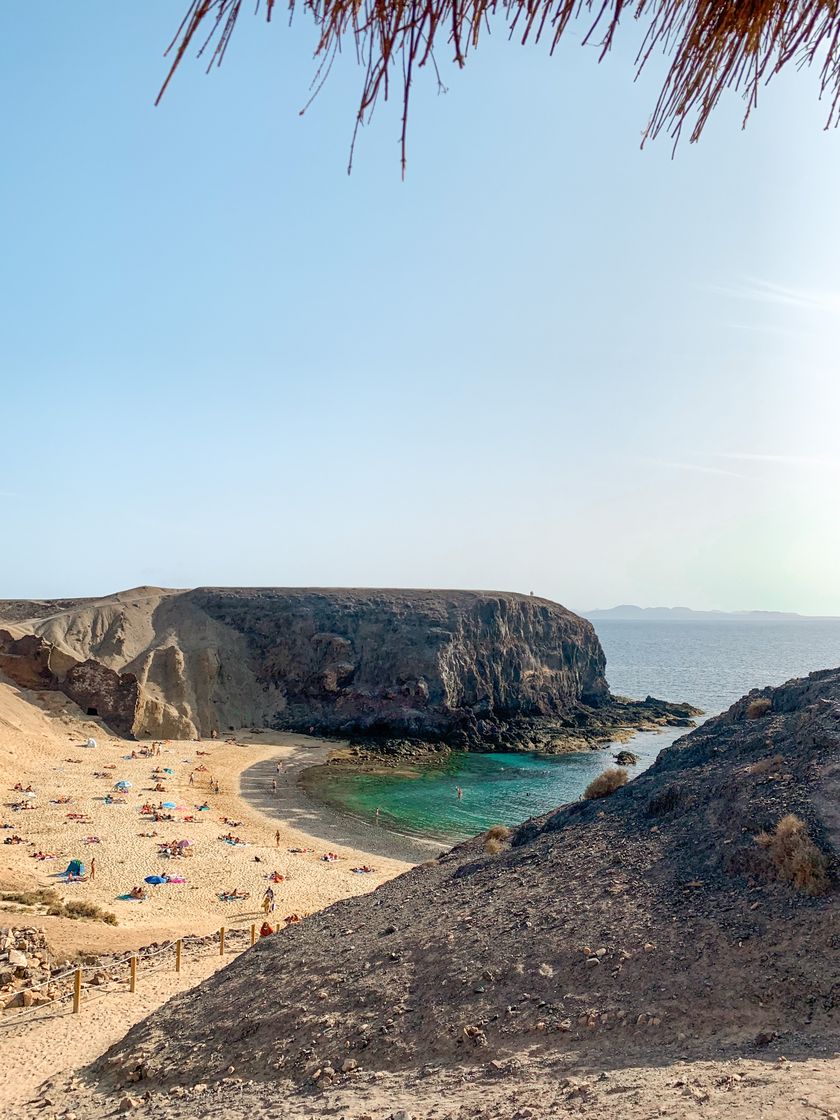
[[277, 838], [93, 869], [268, 901], [274, 785]]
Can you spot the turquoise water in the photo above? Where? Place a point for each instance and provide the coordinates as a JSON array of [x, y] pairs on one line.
[[709, 664], [496, 789]]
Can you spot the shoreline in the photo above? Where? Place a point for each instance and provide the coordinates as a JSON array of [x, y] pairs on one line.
[[319, 818], [44, 747], [318, 782]]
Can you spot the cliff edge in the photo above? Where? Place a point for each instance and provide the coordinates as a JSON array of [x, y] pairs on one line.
[[464, 667]]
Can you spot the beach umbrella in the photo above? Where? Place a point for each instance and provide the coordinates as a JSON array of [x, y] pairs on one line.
[[90, 743], [184, 843], [123, 785], [155, 880], [168, 804]]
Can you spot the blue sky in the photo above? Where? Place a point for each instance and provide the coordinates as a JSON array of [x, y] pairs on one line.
[[545, 361]]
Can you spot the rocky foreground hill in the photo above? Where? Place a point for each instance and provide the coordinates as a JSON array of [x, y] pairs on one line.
[[691, 915], [472, 668]]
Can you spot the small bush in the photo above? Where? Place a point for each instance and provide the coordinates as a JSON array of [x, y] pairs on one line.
[[498, 832], [495, 839], [764, 765], [795, 856], [758, 708], [89, 911], [606, 783], [42, 896]]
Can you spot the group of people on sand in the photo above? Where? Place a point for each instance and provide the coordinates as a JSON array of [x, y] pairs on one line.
[[172, 848]]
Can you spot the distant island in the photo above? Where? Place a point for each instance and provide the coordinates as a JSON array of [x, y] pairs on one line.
[[630, 612]]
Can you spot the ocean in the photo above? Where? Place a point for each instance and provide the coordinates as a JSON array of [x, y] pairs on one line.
[[708, 663]]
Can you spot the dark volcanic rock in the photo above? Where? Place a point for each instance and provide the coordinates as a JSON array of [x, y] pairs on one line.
[[405, 663], [473, 669]]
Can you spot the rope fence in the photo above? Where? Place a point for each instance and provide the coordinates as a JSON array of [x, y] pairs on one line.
[[198, 946]]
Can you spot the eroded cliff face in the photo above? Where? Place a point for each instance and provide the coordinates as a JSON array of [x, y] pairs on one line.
[[425, 663], [457, 666], [32, 662]]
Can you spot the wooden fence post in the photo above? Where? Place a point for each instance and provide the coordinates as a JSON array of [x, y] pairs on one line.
[[77, 991], [178, 945], [253, 932], [132, 974], [222, 941]]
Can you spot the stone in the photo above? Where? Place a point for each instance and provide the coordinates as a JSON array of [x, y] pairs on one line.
[[20, 999], [593, 962], [17, 959], [649, 947], [401, 1114], [348, 1065], [127, 1104]]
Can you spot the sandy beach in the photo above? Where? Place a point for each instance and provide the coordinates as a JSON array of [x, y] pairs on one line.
[[42, 737]]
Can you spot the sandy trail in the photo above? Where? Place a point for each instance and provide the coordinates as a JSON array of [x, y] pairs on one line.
[[50, 1049]]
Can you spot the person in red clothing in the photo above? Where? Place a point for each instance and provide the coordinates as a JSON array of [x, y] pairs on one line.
[[265, 930]]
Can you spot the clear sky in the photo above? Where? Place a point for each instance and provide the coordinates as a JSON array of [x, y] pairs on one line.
[[546, 361]]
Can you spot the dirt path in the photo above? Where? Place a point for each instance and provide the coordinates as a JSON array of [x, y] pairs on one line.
[[51, 1047]]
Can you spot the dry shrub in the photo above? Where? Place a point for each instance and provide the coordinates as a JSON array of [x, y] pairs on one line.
[[498, 832], [766, 764], [80, 908], [606, 783], [39, 896], [795, 856], [494, 839], [758, 708]]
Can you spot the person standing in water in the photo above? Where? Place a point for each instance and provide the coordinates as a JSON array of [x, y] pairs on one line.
[[274, 785], [460, 792]]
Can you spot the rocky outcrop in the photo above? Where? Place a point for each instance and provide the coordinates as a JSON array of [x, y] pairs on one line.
[[412, 662], [32, 662], [472, 669]]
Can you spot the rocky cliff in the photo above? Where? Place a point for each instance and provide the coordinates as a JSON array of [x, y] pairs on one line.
[[466, 667]]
